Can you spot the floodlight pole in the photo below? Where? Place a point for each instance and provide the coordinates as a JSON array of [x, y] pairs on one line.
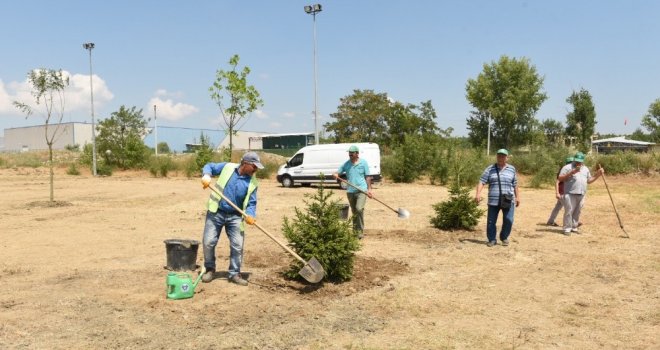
[[155, 130], [89, 47], [313, 10]]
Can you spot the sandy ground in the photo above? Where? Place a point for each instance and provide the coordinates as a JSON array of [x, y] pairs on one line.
[[88, 273]]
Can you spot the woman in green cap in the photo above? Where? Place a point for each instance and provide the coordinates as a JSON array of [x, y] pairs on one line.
[[559, 191], [575, 176]]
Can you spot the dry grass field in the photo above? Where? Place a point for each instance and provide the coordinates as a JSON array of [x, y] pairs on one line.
[[88, 273]]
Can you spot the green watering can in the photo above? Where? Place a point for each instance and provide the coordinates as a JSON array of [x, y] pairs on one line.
[[180, 285]]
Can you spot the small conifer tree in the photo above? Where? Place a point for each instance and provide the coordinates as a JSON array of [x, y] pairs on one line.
[[459, 212], [319, 232]]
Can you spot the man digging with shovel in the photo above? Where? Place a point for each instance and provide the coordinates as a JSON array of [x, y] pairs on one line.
[[238, 183]]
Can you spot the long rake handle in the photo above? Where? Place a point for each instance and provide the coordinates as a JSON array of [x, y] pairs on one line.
[[372, 197], [289, 250], [612, 200]]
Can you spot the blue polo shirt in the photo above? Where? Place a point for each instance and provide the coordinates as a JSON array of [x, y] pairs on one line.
[[355, 174], [507, 178]]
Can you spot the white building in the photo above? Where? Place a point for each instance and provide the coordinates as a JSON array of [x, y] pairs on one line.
[[243, 140], [30, 138]]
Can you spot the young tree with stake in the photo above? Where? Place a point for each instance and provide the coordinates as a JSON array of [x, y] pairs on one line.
[[243, 98], [48, 87]]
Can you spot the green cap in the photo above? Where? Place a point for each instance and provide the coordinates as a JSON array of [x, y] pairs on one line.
[[354, 149], [569, 160], [579, 157], [502, 151]]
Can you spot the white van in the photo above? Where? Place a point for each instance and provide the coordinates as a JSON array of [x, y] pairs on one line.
[[310, 162]]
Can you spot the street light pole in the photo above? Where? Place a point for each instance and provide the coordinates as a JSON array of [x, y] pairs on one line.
[[89, 47], [313, 10], [155, 130]]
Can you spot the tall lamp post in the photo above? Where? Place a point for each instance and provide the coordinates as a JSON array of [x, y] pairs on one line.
[[89, 47], [313, 10], [155, 130]]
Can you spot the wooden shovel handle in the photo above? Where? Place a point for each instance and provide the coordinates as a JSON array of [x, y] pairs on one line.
[[212, 187], [372, 196]]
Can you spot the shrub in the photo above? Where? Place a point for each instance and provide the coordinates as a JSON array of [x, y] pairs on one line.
[[409, 161], [627, 162], [269, 169], [103, 169], [161, 165], [461, 211], [456, 165], [72, 148], [319, 232], [73, 169]]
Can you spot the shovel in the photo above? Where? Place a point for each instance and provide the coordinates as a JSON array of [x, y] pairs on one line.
[[402, 213], [311, 271], [613, 206]]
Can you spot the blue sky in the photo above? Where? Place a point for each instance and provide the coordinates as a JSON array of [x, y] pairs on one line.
[[167, 52]]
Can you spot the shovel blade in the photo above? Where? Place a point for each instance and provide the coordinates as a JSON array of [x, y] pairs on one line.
[[403, 213], [312, 271]]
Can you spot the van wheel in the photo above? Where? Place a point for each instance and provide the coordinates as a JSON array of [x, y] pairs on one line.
[[343, 185], [287, 181]]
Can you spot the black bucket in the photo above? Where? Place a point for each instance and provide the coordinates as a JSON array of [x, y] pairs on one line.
[[343, 210], [181, 254]]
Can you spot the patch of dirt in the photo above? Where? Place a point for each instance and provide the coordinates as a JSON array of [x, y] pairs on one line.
[[94, 263], [48, 204]]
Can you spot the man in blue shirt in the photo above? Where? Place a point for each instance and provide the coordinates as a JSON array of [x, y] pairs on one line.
[[239, 184], [499, 175], [357, 173]]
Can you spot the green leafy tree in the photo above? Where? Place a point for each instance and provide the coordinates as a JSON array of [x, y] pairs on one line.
[[48, 87], [581, 122], [122, 134], [461, 211], [163, 148], [360, 117], [651, 121], [366, 116], [640, 135], [553, 131], [243, 98], [509, 92], [477, 123], [204, 153], [319, 232]]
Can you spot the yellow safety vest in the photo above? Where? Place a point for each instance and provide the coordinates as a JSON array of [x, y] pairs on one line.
[[224, 177]]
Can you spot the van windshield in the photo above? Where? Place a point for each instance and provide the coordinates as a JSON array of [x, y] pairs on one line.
[[296, 160]]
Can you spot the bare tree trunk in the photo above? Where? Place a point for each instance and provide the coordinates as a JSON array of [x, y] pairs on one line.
[[52, 174], [231, 142]]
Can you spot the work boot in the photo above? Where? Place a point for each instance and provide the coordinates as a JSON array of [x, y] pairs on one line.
[[505, 242], [491, 243], [237, 279], [208, 276]]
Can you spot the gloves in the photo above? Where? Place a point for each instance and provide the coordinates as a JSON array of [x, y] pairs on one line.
[[250, 220], [206, 181]]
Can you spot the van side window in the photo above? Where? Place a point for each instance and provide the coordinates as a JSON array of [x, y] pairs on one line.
[[296, 160]]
